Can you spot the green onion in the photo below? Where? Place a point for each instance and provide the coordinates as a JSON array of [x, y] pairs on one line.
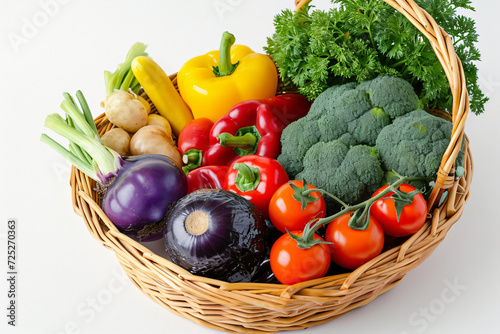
[[86, 150]]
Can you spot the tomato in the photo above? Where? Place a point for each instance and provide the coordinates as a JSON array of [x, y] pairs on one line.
[[352, 247], [256, 178], [412, 216], [291, 264], [286, 212]]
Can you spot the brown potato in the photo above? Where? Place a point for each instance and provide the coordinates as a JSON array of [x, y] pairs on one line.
[[117, 139], [155, 119], [124, 110], [152, 139], [146, 103]]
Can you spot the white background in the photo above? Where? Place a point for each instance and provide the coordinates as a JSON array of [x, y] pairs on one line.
[[68, 283]]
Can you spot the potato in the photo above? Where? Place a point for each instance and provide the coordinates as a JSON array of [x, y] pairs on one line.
[[146, 104], [118, 140], [124, 110], [152, 139], [155, 119]]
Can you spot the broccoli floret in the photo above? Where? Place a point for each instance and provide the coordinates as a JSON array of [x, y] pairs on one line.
[[352, 113], [350, 173], [414, 144], [296, 139], [394, 95]]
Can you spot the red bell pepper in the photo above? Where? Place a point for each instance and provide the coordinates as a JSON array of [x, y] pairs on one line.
[[256, 178], [193, 141], [206, 177], [250, 127], [195, 146], [255, 126]]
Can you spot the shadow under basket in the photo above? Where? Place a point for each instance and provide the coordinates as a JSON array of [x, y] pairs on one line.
[[263, 307]]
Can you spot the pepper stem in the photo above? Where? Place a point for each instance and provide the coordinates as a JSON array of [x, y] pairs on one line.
[[225, 66], [248, 178], [191, 159], [246, 141]]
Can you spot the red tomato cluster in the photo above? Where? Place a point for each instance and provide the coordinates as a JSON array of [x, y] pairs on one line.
[[348, 247]]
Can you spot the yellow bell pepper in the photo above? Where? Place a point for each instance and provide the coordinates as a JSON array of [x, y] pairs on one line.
[[162, 92], [213, 83]]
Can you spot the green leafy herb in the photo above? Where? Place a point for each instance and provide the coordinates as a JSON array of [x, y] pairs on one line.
[[362, 39]]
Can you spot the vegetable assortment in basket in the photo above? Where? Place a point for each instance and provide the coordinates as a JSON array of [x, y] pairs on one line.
[[333, 199]]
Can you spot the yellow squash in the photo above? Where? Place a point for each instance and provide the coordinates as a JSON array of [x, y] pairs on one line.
[[213, 83], [162, 92]]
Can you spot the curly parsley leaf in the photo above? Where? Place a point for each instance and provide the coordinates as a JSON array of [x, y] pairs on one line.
[[362, 39]]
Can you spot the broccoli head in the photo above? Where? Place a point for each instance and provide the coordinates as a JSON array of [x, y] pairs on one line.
[[350, 114], [350, 173], [414, 144]]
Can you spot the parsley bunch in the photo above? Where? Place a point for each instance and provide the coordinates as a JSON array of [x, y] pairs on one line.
[[362, 39]]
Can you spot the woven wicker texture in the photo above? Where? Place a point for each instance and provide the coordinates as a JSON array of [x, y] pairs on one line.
[[259, 307]]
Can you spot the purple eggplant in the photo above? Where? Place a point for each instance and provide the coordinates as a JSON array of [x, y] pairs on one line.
[[139, 198], [139, 190], [216, 234]]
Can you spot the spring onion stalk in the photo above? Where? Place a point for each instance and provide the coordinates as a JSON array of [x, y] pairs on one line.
[[86, 150], [86, 111], [123, 78], [78, 119], [73, 159], [75, 149]]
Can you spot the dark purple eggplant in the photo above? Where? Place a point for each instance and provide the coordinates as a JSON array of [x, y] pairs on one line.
[[216, 234]]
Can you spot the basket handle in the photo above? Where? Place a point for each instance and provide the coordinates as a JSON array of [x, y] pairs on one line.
[[443, 47]]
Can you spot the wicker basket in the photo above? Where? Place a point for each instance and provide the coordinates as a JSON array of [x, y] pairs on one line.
[[259, 307]]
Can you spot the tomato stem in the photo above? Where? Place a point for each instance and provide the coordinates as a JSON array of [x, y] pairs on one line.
[[307, 240], [324, 192], [401, 199], [360, 219], [302, 195], [361, 211]]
